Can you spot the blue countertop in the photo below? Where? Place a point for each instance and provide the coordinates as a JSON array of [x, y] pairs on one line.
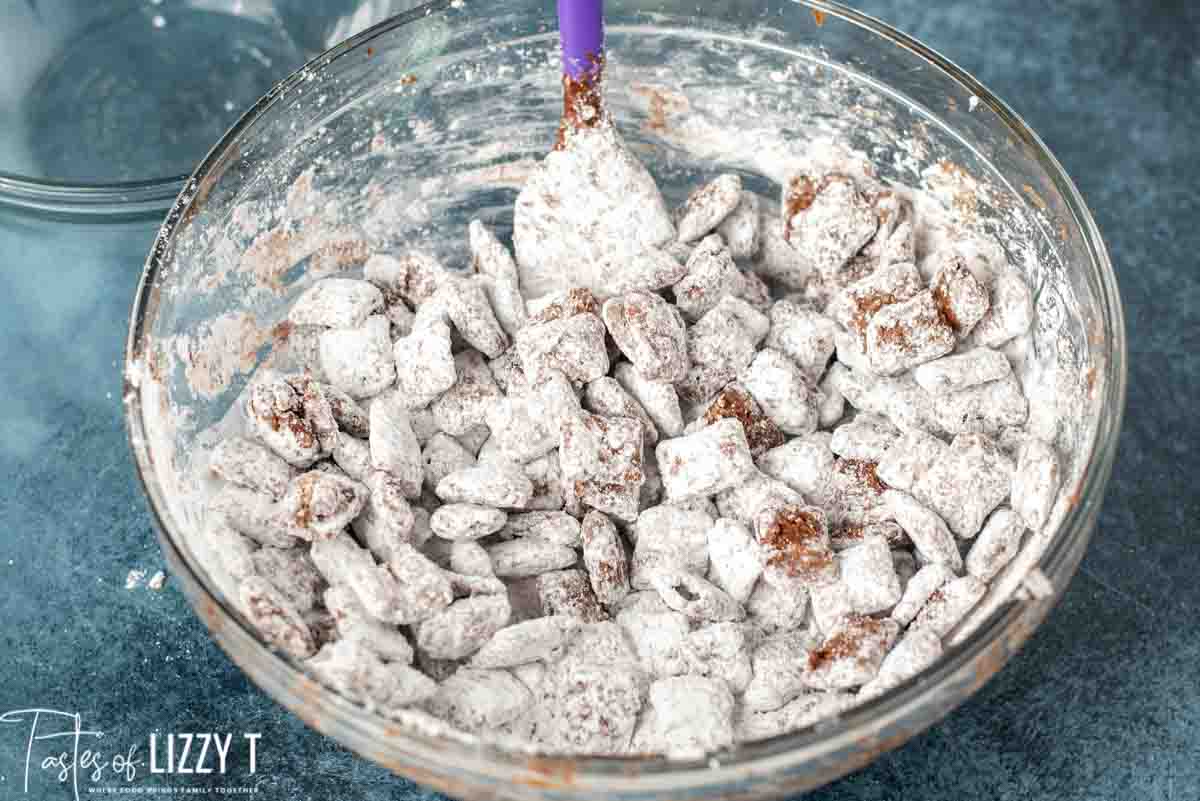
[[1104, 701]]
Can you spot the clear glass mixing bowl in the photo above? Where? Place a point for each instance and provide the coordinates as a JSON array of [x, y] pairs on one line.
[[402, 134], [105, 107]]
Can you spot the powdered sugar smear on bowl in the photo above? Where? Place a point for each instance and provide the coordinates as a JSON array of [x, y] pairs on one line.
[[733, 468]]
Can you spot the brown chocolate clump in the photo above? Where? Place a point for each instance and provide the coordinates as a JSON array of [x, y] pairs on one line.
[[802, 191], [866, 306], [896, 336], [944, 306], [863, 472], [583, 101], [576, 300], [798, 542], [846, 644], [761, 432]]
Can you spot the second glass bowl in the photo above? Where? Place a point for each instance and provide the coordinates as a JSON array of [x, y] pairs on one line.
[[105, 107]]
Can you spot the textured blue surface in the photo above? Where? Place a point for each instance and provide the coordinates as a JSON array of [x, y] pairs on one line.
[[1103, 703]]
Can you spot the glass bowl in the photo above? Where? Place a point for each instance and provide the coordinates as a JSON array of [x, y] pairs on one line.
[[105, 107], [403, 133]]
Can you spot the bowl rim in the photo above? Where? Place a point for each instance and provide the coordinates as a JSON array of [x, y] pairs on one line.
[[89, 201], [823, 752], [143, 198]]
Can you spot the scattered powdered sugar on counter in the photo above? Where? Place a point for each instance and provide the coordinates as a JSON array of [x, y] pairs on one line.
[[134, 579], [674, 502]]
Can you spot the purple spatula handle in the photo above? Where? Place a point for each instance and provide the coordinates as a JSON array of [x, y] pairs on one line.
[[581, 25]]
